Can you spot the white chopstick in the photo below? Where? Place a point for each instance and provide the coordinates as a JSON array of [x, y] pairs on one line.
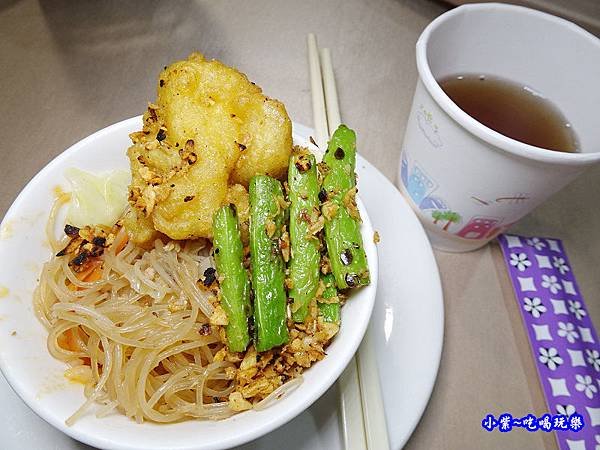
[[371, 396], [361, 403], [353, 423], [353, 427], [318, 99], [331, 97]]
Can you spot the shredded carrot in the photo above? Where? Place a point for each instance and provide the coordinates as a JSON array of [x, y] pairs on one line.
[[83, 275], [63, 340], [94, 275], [121, 245], [71, 340], [67, 340]]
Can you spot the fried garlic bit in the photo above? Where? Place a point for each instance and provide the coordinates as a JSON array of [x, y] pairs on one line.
[[238, 403], [219, 317], [210, 131], [259, 374]]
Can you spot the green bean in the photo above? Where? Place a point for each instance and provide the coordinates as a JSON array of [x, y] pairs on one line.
[[329, 311], [267, 217], [304, 210], [235, 285], [342, 222]]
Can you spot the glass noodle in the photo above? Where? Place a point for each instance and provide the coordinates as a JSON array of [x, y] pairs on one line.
[[132, 337]]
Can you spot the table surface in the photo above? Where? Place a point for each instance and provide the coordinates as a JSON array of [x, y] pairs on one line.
[[70, 68]]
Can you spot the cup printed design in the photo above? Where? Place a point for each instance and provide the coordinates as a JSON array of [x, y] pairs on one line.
[[432, 202], [446, 217], [428, 127], [479, 227], [421, 187], [422, 190], [510, 199]]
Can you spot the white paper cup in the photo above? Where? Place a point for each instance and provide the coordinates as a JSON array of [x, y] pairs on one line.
[[466, 182]]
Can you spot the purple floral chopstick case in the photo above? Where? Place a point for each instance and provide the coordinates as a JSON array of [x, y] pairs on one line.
[[563, 339]]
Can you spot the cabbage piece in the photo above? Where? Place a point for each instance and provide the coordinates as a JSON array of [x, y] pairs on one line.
[[97, 199]]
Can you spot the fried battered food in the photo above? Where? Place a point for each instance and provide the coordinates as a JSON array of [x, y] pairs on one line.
[[237, 195], [139, 227], [211, 131]]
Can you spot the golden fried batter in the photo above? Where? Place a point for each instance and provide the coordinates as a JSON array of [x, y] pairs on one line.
[[211, 131], [238, 195]]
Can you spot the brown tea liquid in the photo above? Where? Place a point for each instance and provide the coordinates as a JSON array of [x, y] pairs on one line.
[[513, 110]]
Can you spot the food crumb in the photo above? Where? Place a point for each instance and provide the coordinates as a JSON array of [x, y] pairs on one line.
[[219, 317], [376, 237], [6, 232], [58, 191], [79, 374], [238, 403], [3, 291], [13, 333]]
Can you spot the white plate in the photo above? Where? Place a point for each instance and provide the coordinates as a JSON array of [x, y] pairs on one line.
[[409, 309]]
